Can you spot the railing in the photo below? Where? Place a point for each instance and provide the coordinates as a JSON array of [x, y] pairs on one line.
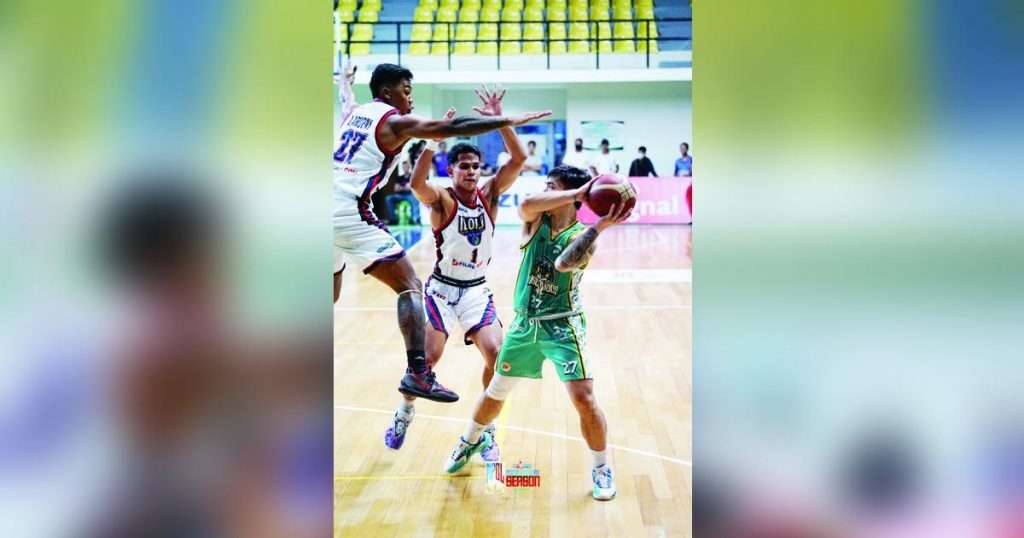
[[451, 41]]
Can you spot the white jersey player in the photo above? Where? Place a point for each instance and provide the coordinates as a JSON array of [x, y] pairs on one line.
[[371, 136], [462, 216]]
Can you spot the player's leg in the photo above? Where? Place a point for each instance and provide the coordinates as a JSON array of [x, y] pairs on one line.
[[488, 341], [339, 267], [419, 381], [337, 286]]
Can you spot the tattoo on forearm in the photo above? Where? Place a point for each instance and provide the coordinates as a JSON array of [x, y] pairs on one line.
[[470, 125], [579, 250]]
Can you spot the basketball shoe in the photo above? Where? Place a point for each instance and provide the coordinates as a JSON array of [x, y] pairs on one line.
[[604, 486], [425, 386], [460, 456], [491, 453], [395, 435]]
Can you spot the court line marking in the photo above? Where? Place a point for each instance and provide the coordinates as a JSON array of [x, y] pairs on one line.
[[520, 429], [510, 308]]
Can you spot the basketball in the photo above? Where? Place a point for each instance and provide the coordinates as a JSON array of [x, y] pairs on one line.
[[608, 190]]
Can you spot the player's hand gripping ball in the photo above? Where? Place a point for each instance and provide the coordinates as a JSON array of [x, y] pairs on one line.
[[608, 190]]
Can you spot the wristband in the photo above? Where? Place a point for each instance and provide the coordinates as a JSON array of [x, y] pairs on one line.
[[431, 146]]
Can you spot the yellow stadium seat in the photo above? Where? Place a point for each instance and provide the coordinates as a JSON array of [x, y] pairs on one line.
[[604, 30], [442, 32], [465, 32], [421, 32], [358, 49], [533, 15], [439, 48], [533, 30], [533, 47], [599, 14], [445, 14], [374, 5], [604, 47], [624, 29], [488, 30], [464, 47], [510, 47], [577, 47], [491, 4], [423, 14], [514, 4], [644, 3], [622, 14], [622, 4], [368, 16], [642, 28], [641, 45], [510, 30], [556, 15], [343, 32], [471, 4], [625, 47], [489, 15], [557, 5], [346, 15], [577, 14], [534, 4], [556, 30], [511, 15], [579, 5], [557, 47], [487, 47], [644, 13], [347, 5], [362, 32], [578, 30], [469, 16], [449, 4], [419, 49], [599, 5], [429, 4]]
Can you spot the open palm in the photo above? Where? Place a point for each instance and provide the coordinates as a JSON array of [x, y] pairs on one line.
[[491, 101]]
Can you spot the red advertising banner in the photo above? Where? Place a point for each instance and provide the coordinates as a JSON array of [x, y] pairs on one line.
[[660, 200]]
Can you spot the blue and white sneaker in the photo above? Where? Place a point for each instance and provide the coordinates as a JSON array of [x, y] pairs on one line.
[[604, 486], [395, 435], [491, 453], [464, 451]]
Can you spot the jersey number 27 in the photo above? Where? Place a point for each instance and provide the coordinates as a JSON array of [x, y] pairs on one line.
[[351, 141]]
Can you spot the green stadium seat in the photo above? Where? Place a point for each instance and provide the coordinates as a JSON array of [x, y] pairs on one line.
[[622, 4], [580, 5], [514, 4], [491, 4], [599, 5], [557, 5], [343, 32]]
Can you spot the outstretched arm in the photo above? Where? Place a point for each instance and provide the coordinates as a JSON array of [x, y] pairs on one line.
[[428, 193], [537, 204], [406, 126], [582, 247]]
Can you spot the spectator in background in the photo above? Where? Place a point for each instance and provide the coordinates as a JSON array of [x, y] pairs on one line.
[[414, 152], [441, 160], [534, 164], [604, 162], [642, 166], [403, 192], [487, 170], [576, 157], [684, 164]]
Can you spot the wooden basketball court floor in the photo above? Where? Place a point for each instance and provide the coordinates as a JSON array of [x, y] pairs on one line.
[[637, 299]]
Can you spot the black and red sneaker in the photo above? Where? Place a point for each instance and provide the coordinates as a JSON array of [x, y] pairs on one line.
[[425, 386]]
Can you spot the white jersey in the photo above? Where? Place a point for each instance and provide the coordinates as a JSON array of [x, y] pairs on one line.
[[361, 165], [464, 242]]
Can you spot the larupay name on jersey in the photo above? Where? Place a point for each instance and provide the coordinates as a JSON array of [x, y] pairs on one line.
[[360, 122]]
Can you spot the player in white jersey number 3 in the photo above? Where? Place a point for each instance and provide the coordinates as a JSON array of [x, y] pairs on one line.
[[372, 135], [462, 218]]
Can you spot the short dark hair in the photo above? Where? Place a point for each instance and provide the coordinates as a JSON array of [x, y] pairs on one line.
[[685, 144], [570, 176], [604, 142], [385, 75], [643, 149], [531, 143], [459, 149]]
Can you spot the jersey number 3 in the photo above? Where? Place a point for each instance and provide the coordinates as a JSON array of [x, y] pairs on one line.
[[351, 141]]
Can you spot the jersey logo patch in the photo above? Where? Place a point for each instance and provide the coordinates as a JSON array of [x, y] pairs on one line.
[[542, 277], [472, 227]]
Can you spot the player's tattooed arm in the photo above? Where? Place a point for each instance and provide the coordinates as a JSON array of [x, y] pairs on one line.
[[579, 251], [408, 126]]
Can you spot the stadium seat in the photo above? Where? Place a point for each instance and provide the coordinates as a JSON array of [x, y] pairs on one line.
[[644, 13], [346, 15], [489, 15], [533, 47], [469, 15], [445, 14], [362, 32], [603, 30], [511, 15], [557, 5], [429, 4], [533, 15], [449, 4], [374, 5], [510, 47], [439, 48], [488, 30], [465, 31], [604, 47], [420, 32], [622, 4], [599, 14], [578, 30], [600, 5], [577, 14], [624, 29], [577, 47], [464, 47], [533, 30], [534, 4], [556, 15], [642, 27], [368, 16], [442, 32], [641, 45], [644, 4], [491, 4], [359, 49], [557, 47], [556, 30], [514, 4], [347, 5], [625, 47], [622, 14], [579, 5], [423, 14], [510, 30], [487, 47], [471, 4], [419, 49]]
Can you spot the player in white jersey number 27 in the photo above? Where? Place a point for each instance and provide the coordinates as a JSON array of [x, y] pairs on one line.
[[371, 136], [462, 218]]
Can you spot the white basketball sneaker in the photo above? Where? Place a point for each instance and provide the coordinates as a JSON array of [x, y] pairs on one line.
[[604, 485]]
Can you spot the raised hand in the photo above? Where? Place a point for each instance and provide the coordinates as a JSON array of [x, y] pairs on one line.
[[527, 117], [618, 213], [491, 101], [447, 116], [350, 72]]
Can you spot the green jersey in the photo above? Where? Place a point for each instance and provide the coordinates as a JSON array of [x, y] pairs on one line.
[[540, 289]]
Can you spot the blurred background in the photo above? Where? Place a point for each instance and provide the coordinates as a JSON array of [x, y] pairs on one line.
[[164, 297]]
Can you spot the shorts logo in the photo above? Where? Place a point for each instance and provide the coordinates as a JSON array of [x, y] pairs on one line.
[[505, 367], [472, 228], [518, 475], [386, 246]]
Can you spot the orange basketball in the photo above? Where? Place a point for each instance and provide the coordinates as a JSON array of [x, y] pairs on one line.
[[608, 190]]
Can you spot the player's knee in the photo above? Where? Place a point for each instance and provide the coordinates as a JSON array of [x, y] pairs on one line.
[[584, 400], [500, 387]]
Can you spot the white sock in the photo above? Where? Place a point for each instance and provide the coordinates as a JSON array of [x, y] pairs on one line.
[[473, 432], [406, 407], [490, 427], [600, 457]]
